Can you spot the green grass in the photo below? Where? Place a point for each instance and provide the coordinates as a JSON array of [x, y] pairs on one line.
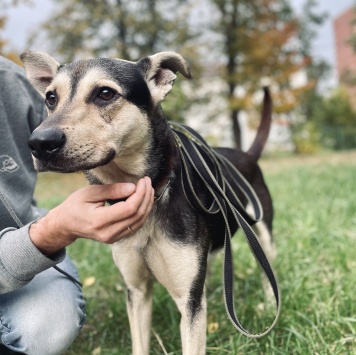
[[315, 233]]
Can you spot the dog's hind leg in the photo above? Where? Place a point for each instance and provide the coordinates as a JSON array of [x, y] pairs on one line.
[[181, 269], [138, 280], [266, 240]]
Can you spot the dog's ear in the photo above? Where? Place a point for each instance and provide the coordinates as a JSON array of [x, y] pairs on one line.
[[159, 71], [40, 69]]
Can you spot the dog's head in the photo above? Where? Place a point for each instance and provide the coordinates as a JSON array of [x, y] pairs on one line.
[[99, 110]]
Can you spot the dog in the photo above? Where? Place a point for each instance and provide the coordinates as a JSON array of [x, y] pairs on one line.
[[105, 118]]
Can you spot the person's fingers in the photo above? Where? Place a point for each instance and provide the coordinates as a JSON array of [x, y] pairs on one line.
[[100, 193], [127, 226], [139, 219], [144, 209], [119, 212], [129, 208], [144, 206]]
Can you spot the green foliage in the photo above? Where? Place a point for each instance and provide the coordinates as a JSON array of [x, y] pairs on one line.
[[129, 29], [307, 23], [335, 118], [255, 35], [250, 40], [306, 138], [314, 229], [258, 40], [306, 134], [337, 110]]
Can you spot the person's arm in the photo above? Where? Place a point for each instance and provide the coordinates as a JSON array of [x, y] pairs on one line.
[[85, 215], [27, 251], [20, 260], [21, 111]]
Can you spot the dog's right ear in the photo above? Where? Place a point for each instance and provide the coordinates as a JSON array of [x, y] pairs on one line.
[[40, 69]]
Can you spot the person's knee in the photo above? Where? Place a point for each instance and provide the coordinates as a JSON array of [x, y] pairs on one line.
[[57, 331], [53, 341], [47, 332]]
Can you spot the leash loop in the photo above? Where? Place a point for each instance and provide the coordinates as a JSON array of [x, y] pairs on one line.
[[198, 157]]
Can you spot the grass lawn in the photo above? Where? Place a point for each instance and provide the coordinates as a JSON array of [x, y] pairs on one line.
[[315, 232]]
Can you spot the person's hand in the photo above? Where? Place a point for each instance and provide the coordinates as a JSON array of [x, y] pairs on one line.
[[84, 215]]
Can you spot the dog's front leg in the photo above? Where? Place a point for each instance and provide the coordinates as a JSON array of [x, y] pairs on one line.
[[139, 295], [181, 269], [192, 325]]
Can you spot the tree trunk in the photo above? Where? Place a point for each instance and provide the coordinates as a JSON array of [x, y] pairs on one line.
[[122, 31], [236, 127], [232, 52], [234, 112]]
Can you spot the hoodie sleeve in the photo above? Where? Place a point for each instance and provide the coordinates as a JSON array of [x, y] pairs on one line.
[[20, 260], [21, 111]]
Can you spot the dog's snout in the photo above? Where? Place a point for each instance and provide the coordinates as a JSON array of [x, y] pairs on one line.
[[46, 142]]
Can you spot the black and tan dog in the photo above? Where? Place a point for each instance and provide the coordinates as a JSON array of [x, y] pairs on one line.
[[105, 118]]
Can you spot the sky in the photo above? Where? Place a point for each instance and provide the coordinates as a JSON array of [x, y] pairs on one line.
[[24, 19]]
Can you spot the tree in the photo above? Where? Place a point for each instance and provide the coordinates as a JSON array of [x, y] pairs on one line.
[[347, 78], [256, 39], [335, 119], [128, 29], [259, 41], [316, 70]]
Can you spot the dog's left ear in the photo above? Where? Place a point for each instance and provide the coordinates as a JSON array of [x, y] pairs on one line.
[[40, 69], [159, 71]]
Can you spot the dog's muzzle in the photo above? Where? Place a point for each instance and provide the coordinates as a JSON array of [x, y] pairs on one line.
[[45, 143]]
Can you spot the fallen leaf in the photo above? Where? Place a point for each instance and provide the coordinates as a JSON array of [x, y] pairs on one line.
[[89, 281]]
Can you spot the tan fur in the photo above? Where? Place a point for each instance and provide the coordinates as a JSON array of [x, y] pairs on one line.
[[150, 252], [91, 131]]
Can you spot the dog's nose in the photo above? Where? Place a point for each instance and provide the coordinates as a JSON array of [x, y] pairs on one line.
[[44, 143]]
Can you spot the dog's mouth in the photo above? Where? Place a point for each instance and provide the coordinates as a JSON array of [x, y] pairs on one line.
[[71, 165], [52, 150]]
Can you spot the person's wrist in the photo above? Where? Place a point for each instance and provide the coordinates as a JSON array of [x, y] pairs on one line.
[[47, 235]]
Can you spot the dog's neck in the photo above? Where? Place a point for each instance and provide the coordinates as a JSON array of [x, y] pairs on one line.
[[155, 158]]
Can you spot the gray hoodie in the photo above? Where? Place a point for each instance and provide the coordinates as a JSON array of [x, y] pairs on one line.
[[21, 111]]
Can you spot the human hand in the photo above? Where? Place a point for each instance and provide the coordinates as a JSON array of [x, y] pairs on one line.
[[84, 215]]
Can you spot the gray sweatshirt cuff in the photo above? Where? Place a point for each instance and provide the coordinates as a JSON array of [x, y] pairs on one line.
[[19, 256]]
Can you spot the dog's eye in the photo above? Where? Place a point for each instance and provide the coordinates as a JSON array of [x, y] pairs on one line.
[[51, 99], [106, 93]]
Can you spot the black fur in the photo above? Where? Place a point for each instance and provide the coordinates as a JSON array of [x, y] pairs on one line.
[[128, 75]]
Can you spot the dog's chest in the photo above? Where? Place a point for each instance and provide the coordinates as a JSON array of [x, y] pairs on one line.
[[151, 235], [151, 251], [141, 240]]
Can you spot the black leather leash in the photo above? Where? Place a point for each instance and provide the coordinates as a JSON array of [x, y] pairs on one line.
[[207, 164]]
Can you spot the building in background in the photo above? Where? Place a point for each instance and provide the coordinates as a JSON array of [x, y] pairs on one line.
[[344, 29]]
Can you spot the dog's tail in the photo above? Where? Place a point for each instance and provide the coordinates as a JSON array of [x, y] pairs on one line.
[[264, 127]]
